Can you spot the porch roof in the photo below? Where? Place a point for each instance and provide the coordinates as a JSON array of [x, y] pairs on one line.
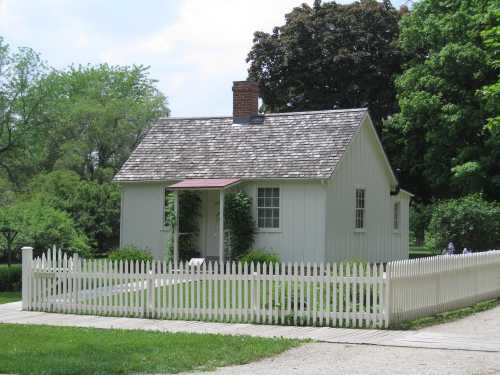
[[205, 183]]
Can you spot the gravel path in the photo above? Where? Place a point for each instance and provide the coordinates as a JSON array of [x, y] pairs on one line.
[[324, 358], [484, 323]]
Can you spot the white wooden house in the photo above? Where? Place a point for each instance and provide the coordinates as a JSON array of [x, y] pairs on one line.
[[321, 183]]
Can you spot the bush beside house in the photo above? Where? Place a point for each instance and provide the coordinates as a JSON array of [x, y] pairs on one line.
[[470, 222], [130, 253], [259, 256]]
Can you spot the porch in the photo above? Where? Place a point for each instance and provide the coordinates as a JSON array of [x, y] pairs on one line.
[[211, 221]]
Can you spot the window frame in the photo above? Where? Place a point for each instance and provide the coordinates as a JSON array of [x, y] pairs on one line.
[[279, 207], [396, 214], [359, 209]]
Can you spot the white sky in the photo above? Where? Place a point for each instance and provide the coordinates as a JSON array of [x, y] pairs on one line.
[[195, 48]]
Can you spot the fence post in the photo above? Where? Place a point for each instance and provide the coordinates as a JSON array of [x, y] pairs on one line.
[[76, 280], [150, 293], [388, 291], [27, 269]]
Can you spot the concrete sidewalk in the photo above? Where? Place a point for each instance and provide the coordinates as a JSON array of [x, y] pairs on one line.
[[12, 313]]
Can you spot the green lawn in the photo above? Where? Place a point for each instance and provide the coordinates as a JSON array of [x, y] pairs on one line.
[[6, 297], [60, 350]]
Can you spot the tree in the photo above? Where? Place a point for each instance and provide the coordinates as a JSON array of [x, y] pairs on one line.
[[439, 138], [39, 225], [63, 136], [22, 99], [97, 115], [470, 222], [329, 56], [94, 207]]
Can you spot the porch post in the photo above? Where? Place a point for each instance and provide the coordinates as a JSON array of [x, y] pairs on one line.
[[176, 228], [221, 227]]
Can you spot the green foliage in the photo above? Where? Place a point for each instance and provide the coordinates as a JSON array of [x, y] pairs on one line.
[[470, 222], [239, 221], [130, 253], [43, 226], [8, 297], [98, 115], [10, 278], [94, 207], [330, 56], [22, 99], [420, 216], [259, 256], [77, 351], [439, 138], [63, 135]]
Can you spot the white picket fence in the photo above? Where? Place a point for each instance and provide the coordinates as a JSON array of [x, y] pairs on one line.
[[427, 286], [337, 295]]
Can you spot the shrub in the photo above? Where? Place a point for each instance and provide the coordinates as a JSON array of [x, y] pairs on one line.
[[470, 222], [130, 253], [259, 256], [10, 278], [239, 221]]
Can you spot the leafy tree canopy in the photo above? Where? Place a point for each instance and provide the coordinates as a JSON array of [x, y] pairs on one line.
[[22, 98], [94, 207], [440, 138], [63, 135], [42, 226], [329, 56], [470, 222], [98, 114]]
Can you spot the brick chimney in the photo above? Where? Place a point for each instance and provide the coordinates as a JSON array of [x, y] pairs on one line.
[[245, 101]]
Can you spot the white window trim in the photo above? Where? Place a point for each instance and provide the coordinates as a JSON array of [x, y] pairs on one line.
[[360, 230], [256, 210], [398, 230]]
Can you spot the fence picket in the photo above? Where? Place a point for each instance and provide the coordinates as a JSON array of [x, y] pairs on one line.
[[345, 294]]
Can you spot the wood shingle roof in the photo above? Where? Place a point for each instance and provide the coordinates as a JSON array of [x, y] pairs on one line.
[[305, 145]]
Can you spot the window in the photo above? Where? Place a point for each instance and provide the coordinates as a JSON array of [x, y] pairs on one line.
[[397, 215], [360, 209], [268, 208]]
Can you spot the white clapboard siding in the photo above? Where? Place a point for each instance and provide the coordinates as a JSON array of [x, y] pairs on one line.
[[336, 295]]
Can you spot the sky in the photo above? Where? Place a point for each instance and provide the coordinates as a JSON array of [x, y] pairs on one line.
[[194, 48]]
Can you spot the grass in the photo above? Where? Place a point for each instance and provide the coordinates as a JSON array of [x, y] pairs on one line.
[[448, 316], [6, 297], [61, 350]]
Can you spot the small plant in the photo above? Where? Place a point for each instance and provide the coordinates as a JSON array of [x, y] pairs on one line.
[[130, 253], [260, 256]]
